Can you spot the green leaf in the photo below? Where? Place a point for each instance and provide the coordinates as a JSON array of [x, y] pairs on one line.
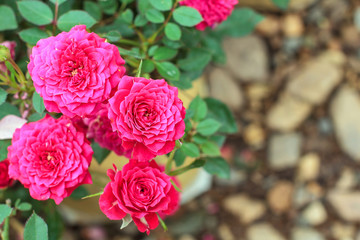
[[58, 1], [198, 139], [162, 5], [190, 149], [3, 95], [79, 193], [24, 206], [154, 16], [4, 144], [162, 223], [179, 157], [143, 6], [199, 108], [173, 31], [55, 222], [196, 164], [208, 127], [152, 50], [35, 228], [128, 16], [38, 103], [99, 153], [240, 23], [32, 35], [5, 212], [36, 117], [7, 109], [168, 70], [134, 52], [7, 18], [140, 20], [113, 36], [210, 149], [220, 112], [36, 12], [164, 53], [171, 44], [93, 9], [126, 221], [109, 6], [148, 66], [217, 166], [75, 17], [197, 59], [187, 16], [283, 4]]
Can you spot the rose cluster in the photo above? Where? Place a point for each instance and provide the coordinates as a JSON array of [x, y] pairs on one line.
[[83, 77]]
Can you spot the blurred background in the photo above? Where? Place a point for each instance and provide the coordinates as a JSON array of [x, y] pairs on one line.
[[293, 86]]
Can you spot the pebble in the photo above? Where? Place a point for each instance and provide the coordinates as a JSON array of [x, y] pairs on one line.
[[254, 135], [357, 18], [288, 113], [247, 58], [225, 232], [299, 5], [309, 167], [345, 112], [270, 26], [343, 231], [314, 214], [292, 26], [280, 197], [245, 208], [346, 204], [224, 88], [237, 177], [306, 234], [263, 230], [347, 179], [284, 150]]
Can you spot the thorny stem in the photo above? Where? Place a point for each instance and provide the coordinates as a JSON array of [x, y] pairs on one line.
[[55, 16], [169, 161]]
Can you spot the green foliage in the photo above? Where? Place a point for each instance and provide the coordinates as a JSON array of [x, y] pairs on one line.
[[79, 193], [59, 2], [164, 53], [35, 228], [154, 16], [7, 18], [198, 108], [3, 95], [24, 206], [38, 103], [173, 31], [217, 166], [7, 109], [5, 212], [187, 16], [128, 16], [36, 12], [190, 149], [100, 153], [75, 17], [283, 4], [220, 112], [168, 70], [3, 149], [32, 35], [210, 149], [161, 5], [208, 127], [93, 9]]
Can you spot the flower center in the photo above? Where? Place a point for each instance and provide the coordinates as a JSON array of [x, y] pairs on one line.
[[74, 72]]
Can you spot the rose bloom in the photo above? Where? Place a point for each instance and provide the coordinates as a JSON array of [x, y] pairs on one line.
[[5, 180], [75, 71], [212, 11], [99, 128], [141, 190], [148, 116], [50, 157], [11, 46]]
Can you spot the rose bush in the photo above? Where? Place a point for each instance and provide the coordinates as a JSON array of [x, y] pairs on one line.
[[50, 157], [148, 115], [142, 190], [75, 72]]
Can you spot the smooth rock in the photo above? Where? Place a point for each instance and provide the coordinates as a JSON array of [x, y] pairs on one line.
[[284, 150], [333, 56], [314, 82], [347, 179], [237, 177], [309, 167], [346, 204], [280, 197], [306, 194], [254, 135], [257, 91], [343, 231], [224, 88], [247, 58], [345, 112], [306, 234], [357, 18], [299, 5], [263, 231], [288, 113], [225, 232], [292, 25], [270, 26], [314, 214], [245, 208]]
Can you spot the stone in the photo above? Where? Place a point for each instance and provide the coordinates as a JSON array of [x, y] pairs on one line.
[[314, 214], [299, 5], [315, 81], [350, 36], [245, 208], [306, 234], [292, 26], [284, 150], [254, 135], [280, 197], [346, 204], [347, 179], [237, 177], [333, 56], [186, 237], [263, 230], [357, 18], [309, 167], [247, 58], [345, 112], [224, 88], [343, 231], [225, 232], [257, 91], [270, 26], [287, 113]]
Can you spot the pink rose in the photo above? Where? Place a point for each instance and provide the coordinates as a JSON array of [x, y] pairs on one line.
[[212, 11], [50, 157], [99, 129], [11, 46], [75, 71], [141, 190], [148, 116], [5, 180]]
